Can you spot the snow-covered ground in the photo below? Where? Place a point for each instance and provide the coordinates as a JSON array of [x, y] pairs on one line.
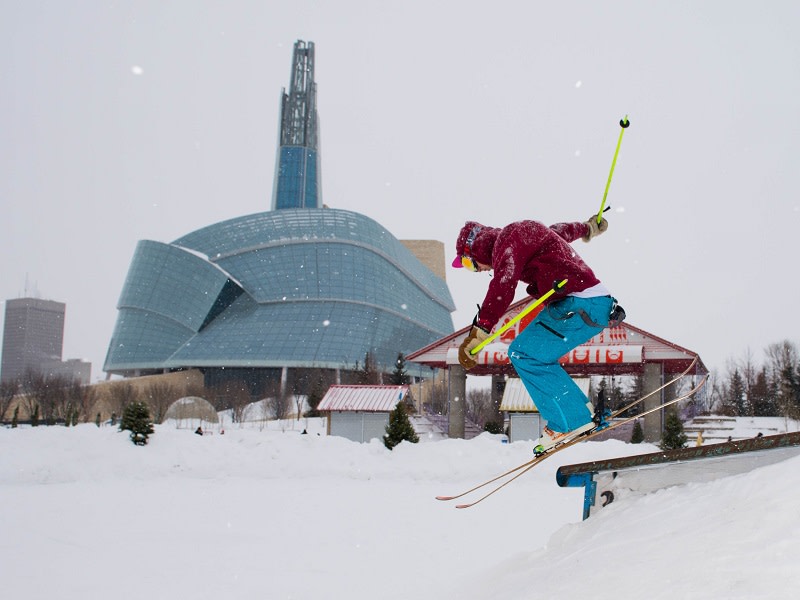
[[265, 512]]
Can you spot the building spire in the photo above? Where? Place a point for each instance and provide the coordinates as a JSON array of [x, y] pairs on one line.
[[297, 172]]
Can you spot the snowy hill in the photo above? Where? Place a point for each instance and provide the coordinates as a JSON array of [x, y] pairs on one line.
[[269, 513]]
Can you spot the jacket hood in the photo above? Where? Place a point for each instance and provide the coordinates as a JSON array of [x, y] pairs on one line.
[[482, 243]]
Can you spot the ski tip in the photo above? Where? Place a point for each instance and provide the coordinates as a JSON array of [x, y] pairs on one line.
[[463, 505], [444, 497]]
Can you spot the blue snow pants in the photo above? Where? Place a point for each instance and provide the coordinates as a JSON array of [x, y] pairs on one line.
[[556, 330]]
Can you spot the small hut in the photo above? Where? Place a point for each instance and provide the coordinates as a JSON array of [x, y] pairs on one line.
[[524, 420], [361, 412]]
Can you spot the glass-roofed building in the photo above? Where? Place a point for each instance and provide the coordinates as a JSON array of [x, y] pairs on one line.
[[267, 298]]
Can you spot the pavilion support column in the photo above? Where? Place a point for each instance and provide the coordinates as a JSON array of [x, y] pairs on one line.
[[653, 379], [457, 395], [498, 387], [284, 380]]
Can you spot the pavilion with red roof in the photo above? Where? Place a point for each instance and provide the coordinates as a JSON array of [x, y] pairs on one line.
[[618, 351]]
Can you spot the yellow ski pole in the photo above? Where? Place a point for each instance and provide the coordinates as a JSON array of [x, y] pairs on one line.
[[557, 286], [624, 123]]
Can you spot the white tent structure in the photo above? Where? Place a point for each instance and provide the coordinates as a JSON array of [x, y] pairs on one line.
[[192, 412]]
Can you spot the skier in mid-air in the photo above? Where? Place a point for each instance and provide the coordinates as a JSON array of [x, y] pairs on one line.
[[541, 256]]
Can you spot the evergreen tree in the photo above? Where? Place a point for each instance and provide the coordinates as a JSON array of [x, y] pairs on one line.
[[399, 375], [493, 427], [637, 437], [738, 394], [399, 428], [764, 400], [136, 419], [674, 437], [313, 399]]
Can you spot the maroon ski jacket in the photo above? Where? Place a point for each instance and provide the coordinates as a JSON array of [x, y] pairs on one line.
[[526, 251]]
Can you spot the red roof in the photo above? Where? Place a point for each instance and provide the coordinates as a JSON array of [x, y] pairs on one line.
[[602, 355], [363, 398]]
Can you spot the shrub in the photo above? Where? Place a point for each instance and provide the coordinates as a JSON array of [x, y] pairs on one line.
[[637, 436], [493, 427], [399, 428], [136, 419], [674, 437]]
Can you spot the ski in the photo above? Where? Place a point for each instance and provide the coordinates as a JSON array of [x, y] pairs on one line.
[[611, 416], [602, 426], [587, 435]]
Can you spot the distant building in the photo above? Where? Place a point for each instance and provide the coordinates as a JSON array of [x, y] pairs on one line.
[[72, 368], [33, 338], [262, 298], [33, 335], [290, 299]]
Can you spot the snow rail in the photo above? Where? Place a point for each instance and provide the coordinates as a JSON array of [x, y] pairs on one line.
[[631, 475]]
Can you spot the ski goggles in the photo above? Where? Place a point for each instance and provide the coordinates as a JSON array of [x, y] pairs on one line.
[[469, 263]]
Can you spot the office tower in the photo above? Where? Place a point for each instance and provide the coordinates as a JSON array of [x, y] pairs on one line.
[[33, 336]]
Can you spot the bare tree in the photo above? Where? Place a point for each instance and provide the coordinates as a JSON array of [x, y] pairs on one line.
[[298, 405], [633, 391], [279, 405], [122, 394], [79, 400], [238, 398], [615, 397], [158, 396], [716, 395], [29, 384], [782, 358], [194, 389], [368, 374], [479, 406], [49, 394], [8, 390], [438, 399], [781, 355], [749, 371]]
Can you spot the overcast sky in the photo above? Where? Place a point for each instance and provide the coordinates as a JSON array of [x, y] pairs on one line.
[[130, 120]]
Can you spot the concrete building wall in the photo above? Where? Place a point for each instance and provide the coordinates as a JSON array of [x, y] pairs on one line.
[[430, 253]]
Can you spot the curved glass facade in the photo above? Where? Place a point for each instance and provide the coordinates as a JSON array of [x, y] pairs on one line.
[[289, 288]]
